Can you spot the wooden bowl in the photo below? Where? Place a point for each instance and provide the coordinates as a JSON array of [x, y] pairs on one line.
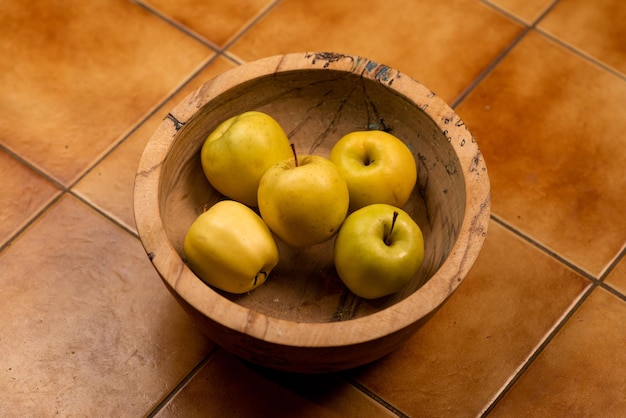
[[303, 319]]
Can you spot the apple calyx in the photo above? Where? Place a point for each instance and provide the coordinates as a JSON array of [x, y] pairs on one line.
[[295, 155], [387, 237]]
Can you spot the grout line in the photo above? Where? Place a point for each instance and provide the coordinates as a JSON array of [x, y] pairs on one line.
[[181, 385], [549, 337], [514, 17], [613, 291], [579, 52], [234, 58], [546, 250], [32, 220], [198, 37], [545, 12], [484, 73], [582, 54], [30, 165], [102, 213], [620, 255], [375, 397], [504, 12], [526, 29], [153, 111], [252, 23], [51, 204], [185, 29]]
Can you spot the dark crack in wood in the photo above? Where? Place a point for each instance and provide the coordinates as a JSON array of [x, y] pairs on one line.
[[177, 124]]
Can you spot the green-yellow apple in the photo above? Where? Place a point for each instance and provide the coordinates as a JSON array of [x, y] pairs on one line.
[[236, 154], [378, 250], [303, 200], [378, 167], [230, 247]]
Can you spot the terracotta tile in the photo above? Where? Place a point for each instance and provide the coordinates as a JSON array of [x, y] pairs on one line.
[[24, 194], [455, 364], [81, 74], [109, 185], [227, 387], [581, 372], [216, 21], [88, 329], [596, 28], [445, 44], [550, 125], [617, 277], [526, 10]]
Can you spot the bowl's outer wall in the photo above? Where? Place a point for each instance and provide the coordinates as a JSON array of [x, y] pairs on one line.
[[298, 359]]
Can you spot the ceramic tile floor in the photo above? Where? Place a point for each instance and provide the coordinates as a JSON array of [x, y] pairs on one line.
[[538, 328]]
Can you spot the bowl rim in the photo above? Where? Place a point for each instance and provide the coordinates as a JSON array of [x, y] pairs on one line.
[[402, 314]]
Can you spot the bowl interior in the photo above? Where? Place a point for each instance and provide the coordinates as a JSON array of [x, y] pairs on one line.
[[316, 108]]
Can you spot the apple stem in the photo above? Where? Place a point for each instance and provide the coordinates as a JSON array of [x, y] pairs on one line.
[[295, 156], [393, 223]]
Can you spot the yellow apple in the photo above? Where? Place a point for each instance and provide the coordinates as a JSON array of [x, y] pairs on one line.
[[230, 247], [378, 250], [378, 167], [236, 154], [303, 202]]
